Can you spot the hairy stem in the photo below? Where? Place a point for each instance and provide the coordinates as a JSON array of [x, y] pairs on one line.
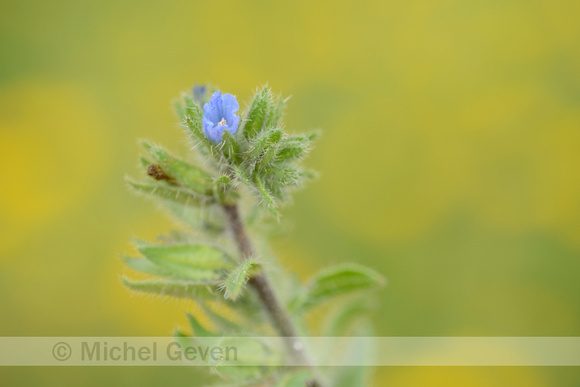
[[278, 315]]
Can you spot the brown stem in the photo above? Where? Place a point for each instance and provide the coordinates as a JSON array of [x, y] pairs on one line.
[[278, 315]]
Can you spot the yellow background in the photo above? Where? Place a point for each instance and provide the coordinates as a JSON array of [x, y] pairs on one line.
[[450, 162]]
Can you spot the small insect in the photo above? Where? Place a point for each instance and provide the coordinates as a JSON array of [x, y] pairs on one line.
[[156, 172]]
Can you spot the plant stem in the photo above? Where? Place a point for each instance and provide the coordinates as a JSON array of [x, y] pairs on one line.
[[278, 315]]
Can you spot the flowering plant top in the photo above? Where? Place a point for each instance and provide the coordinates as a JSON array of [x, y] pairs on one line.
[[218, 265]]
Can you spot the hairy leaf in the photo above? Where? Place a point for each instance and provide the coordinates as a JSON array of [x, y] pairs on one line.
[[361, 351], [267, 198], [276, 113], [258, 113], [198, 329], [258, 145], [229, 146], [289, 152], [284, 176], [196, 262], [224, 323], [179, 289], [192, 177], [142, 265], [235, 281], [268, 156], [242, 175], [346, 317], [193, 121], [167, 191], [253, 359], [340, 280], [205, 219]]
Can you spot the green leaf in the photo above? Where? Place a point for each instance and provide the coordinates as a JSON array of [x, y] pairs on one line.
[[169, 192], [197, 328], [179, 289], [265, 141], [268, 157], [257, 145], [206, 219], [196, 262], [253, 359], [346, 317], [294, 148], [313, 135], [289, 152], [229, 146], [144, 266], [276, 113], [224, 189], [360, 351], [174, 237], [193, 121], [269, 152], [254, 351], [340, 280], [139, 242], [258, 113], [235, 281], [180, 334], [305, 139], [266, 196], [225, 323], [284, 176], [183, 339], [242, 175], [194, 178], [308, 174], [274, 135]]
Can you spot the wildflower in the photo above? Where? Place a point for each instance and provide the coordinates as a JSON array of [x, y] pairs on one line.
[[199, 93], [219, 116]]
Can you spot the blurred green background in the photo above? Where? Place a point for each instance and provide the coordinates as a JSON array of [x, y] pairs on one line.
[[450, 162]]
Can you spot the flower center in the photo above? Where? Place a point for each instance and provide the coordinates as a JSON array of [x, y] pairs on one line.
[[222, 122]]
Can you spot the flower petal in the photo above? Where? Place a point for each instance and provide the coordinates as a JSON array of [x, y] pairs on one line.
[[234, 126], [215, 133], [230, 103], [210, 112], [215, 97], [207, 124]]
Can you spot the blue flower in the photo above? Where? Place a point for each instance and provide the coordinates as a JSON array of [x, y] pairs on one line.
[[199, 93], [219, 116]]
